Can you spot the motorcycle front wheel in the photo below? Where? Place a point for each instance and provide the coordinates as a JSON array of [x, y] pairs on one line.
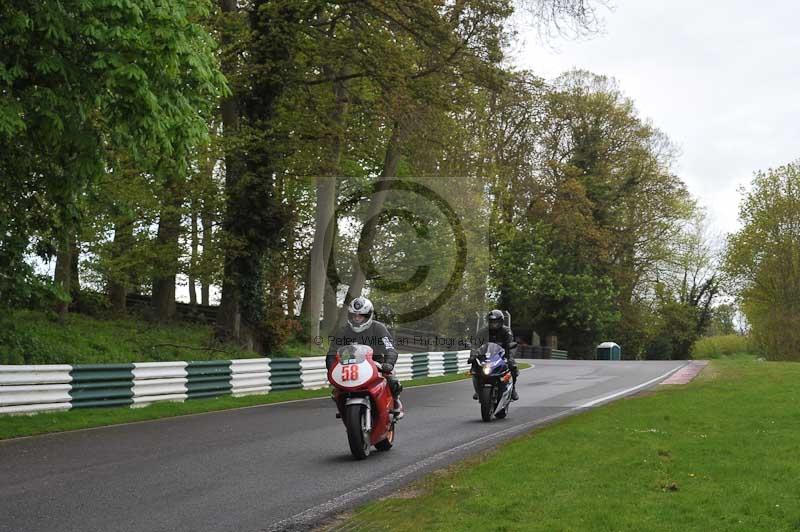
[[357, 435], [485, 396]]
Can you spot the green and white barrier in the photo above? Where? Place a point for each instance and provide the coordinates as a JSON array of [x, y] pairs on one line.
[[435, 364], [250, 376], [208, 378], [403, 367], [419, 365], [286, 373], [30, 389], [159, 381], [101, 385], [34, 388]]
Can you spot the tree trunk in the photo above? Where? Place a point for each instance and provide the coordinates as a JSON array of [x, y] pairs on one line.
[[325, 216], [193, 258], [255, 220], [330, 308], [291, 280], [74, 282], [168, 245], [63, 272], [118, 287], [205, 290], [229, 316], [207, 222], [381, 190], [320, 251]]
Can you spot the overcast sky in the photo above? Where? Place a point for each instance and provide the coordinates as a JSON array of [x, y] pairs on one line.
[[720, 78]]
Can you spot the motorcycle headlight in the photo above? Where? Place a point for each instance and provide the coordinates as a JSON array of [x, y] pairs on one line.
[[487, 370]]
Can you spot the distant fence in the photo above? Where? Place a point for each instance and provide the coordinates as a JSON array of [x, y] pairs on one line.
[[194, 313], [535, 351], [406, 340], [30, 389], [418, 341]]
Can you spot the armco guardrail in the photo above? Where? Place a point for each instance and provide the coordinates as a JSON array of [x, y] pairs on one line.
[[535, 351], [30, 389]]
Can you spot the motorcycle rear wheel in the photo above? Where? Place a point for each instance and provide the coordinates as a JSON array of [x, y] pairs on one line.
[[485, 397], [357, 437]]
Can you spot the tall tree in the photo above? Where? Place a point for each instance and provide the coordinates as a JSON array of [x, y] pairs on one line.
[[254, 221], [687, 288], [79, 80], [763, 260]]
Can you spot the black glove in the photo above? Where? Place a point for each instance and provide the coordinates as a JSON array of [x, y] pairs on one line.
[[387, 368]]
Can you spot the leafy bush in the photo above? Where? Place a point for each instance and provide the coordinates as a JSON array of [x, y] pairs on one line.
[[719, 346], [94, 304], [17, 345]]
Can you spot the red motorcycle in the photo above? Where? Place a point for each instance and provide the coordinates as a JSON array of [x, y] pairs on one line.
[[364, 400]]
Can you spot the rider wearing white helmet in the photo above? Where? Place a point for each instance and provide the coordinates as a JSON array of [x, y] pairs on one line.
[[363, 328]]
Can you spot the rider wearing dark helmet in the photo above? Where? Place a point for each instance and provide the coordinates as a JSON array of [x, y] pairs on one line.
[[498, 333], [363, 329]]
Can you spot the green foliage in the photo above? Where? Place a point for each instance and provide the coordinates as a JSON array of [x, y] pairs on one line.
[[427, 251], [586, 214], [93, 304], [89, 79], [726, 345], [32, 337], [18, 345], [547, 288], [569, 208], [675, 333], [763, 260], [723, 320]]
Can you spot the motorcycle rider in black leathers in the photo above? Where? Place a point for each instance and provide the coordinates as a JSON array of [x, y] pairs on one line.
[[363, 329], [497, 333]]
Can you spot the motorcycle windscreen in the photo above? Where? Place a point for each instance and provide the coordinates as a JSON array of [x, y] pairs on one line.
[[491, 349], [354, 368], [354, 353]]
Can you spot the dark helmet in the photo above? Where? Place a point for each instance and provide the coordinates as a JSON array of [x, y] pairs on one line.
[[494, 320]]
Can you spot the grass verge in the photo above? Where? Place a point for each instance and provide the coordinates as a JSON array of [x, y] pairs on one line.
[[24, 425], [39, 338], [717, 454]]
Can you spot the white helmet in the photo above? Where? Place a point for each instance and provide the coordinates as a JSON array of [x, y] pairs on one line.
[[361, 306]]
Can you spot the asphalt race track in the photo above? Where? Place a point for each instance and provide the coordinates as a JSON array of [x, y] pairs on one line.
[[274, 467]]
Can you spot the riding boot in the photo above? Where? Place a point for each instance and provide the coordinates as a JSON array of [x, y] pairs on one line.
[[514, 394], [398, 410]]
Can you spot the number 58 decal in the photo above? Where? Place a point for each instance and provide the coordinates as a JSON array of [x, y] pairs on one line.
[[350, 373]]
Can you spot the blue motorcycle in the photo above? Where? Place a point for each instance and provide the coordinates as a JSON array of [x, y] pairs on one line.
[[495, 384]]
